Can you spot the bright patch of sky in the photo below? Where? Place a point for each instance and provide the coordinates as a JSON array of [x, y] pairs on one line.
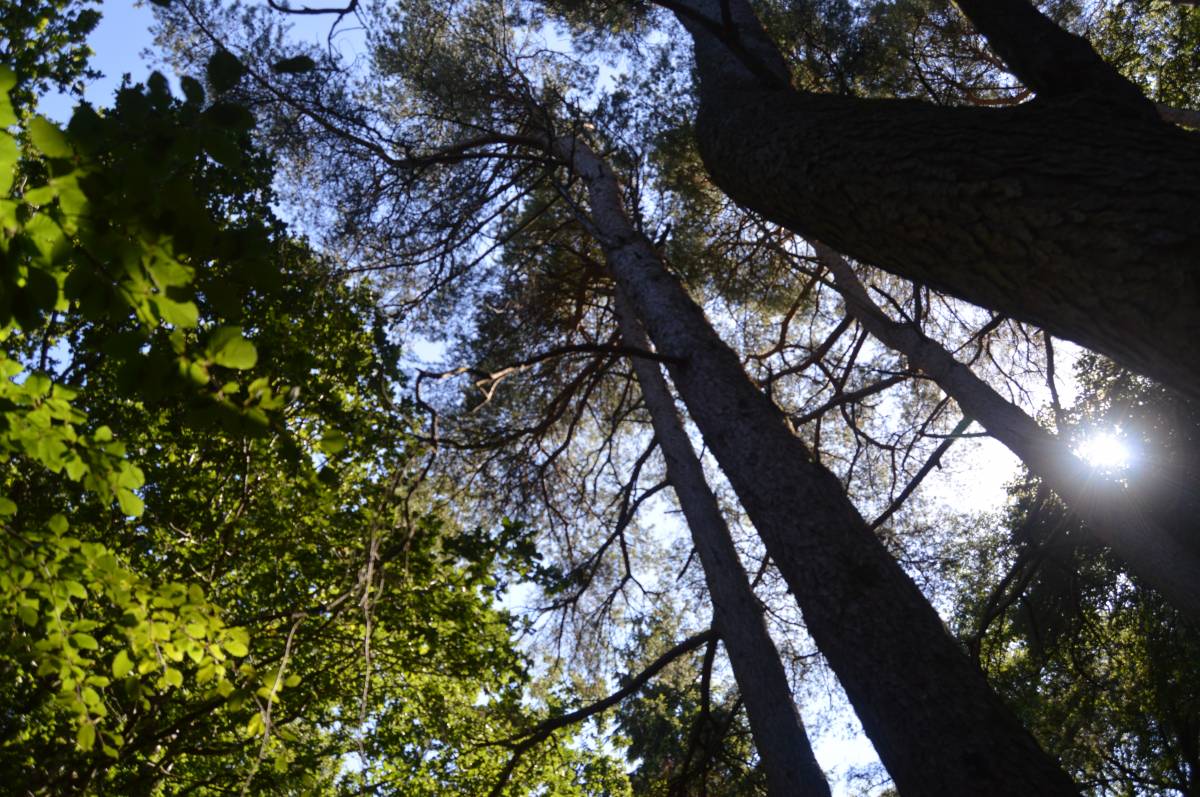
[[1105, 450]]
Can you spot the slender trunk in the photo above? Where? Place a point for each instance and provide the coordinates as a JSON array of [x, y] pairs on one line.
[[1076, 213], [778, 730], [1110, 511], [935, 723]]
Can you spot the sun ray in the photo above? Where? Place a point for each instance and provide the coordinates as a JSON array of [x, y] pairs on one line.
[[1105, 450]]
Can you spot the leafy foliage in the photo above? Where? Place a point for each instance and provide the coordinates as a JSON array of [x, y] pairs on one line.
[[216, 567], [72, 244]]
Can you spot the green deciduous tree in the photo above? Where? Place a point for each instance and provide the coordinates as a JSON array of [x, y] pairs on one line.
[[218, 571]]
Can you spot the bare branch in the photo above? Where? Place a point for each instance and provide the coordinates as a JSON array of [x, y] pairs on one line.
[[523, 743]]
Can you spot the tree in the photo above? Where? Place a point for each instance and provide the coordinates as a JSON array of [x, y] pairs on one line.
[[778, 733], [853, 594], [689, 736], [213, 548], [1072, 211], [46, 44]]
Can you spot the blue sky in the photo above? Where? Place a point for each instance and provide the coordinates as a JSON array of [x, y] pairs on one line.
[[118, 41]]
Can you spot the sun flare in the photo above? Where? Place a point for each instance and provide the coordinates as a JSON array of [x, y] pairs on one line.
[[1105, 450]]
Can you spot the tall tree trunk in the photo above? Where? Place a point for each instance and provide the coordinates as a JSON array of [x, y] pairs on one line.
[[935, 723], [1110, 511], [779, 733], [1076, 212]]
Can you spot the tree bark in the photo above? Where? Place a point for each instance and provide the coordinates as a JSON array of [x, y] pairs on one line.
[[1110, 510], [779, 734], [935, 723], [1072, 212]]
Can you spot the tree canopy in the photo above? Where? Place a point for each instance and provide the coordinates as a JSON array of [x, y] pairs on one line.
[[549, 397]]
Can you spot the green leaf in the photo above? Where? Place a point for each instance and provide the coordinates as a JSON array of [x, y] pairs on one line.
[[85, 739], [333, 442], [28, 615], [173, 677], [227, 347], [84, 641], [122, 665], [179, 314], [192, 89], [58, 524], [130, 504], [236, 643], [235, 647], [168, 272], [224, 70], [48, 139], [197, 374], [255, 726], [9, 154], [41, 290], [8, 116]]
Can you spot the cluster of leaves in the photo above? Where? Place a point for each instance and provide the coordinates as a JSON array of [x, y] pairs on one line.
[[72, 245], [1154, 44], [45, 43]]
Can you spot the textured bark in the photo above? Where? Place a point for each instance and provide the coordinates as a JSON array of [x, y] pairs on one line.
[[779, 734], [1112, 512], [935, 723], [1071, 213]]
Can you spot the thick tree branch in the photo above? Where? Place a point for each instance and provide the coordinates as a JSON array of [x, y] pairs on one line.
[[1062, 214]]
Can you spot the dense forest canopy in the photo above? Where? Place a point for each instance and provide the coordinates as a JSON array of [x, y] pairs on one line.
[[544, 397]]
